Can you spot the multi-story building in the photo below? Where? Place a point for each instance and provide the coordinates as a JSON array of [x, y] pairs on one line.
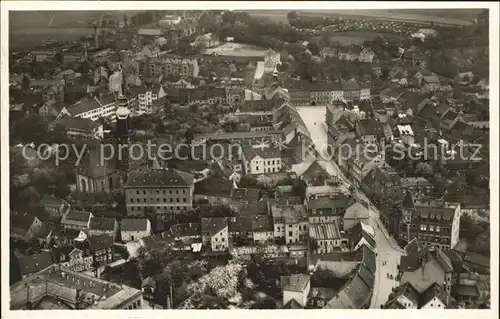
[[290, 223], [162, 190], [300, 93], [296, 289], [79, 127], [72, 290], [103, 225], [261, 160], [146, 96], [102, 248], [325, 93], [364, 92], [152, 68], [351, 90], [327, 209], [94, 109], [215, 233], [75, 219], [433, 222]]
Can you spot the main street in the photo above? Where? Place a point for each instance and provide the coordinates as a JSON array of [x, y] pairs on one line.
[[388, 252]]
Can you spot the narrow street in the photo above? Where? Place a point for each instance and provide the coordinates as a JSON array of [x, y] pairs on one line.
[[388, 252]]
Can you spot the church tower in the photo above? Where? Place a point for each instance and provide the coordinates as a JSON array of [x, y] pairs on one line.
[[124, 133]]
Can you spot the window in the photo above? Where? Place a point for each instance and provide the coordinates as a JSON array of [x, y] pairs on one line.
[[438, 229], [431, 228], [423, 227], [290, 233]]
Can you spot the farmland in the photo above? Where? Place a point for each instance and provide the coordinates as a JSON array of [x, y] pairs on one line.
[[447, 17]]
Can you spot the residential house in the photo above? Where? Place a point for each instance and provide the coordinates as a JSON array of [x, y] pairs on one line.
[[261, 160], [244, 196], [50, 109], [217, 191], [362, 234], [44, 235], [290, 223], [349, 53], [152, 68], [75, 219], [79, 127], [327, 209], [295, 288], [102, 249], [187, 232], [215, 233], [404, 134], [425, 268], [381, 183], [414, 56], [103, 225], [319, 296], [163, 190], [56, 207], [355, 214], [262, 228], [24, 226], [351, 90], [207, 95], [146, 95], [240, 230], [328, 52], [362, 164], [135, 229], [74, 258]]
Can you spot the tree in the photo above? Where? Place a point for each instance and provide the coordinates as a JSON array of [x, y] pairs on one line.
[[314, 47], [424, 169], [25, 83], [292, 15]]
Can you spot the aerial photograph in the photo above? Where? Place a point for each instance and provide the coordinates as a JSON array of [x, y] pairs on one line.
[[258, 159]]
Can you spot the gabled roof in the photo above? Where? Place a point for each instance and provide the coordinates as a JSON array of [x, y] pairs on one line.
[[240, 224], [22, 221], [213, 225], [161, 178], [102, 223], [35, 263], [245, 194], [51, 200], [100, 242], [186, 230], [83, 107], [434, 290], [76, 216], [295, 282], [134, 224], [75, 123]]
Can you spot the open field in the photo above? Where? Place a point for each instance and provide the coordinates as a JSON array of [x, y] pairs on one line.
[[457, 17], [236, 49]]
